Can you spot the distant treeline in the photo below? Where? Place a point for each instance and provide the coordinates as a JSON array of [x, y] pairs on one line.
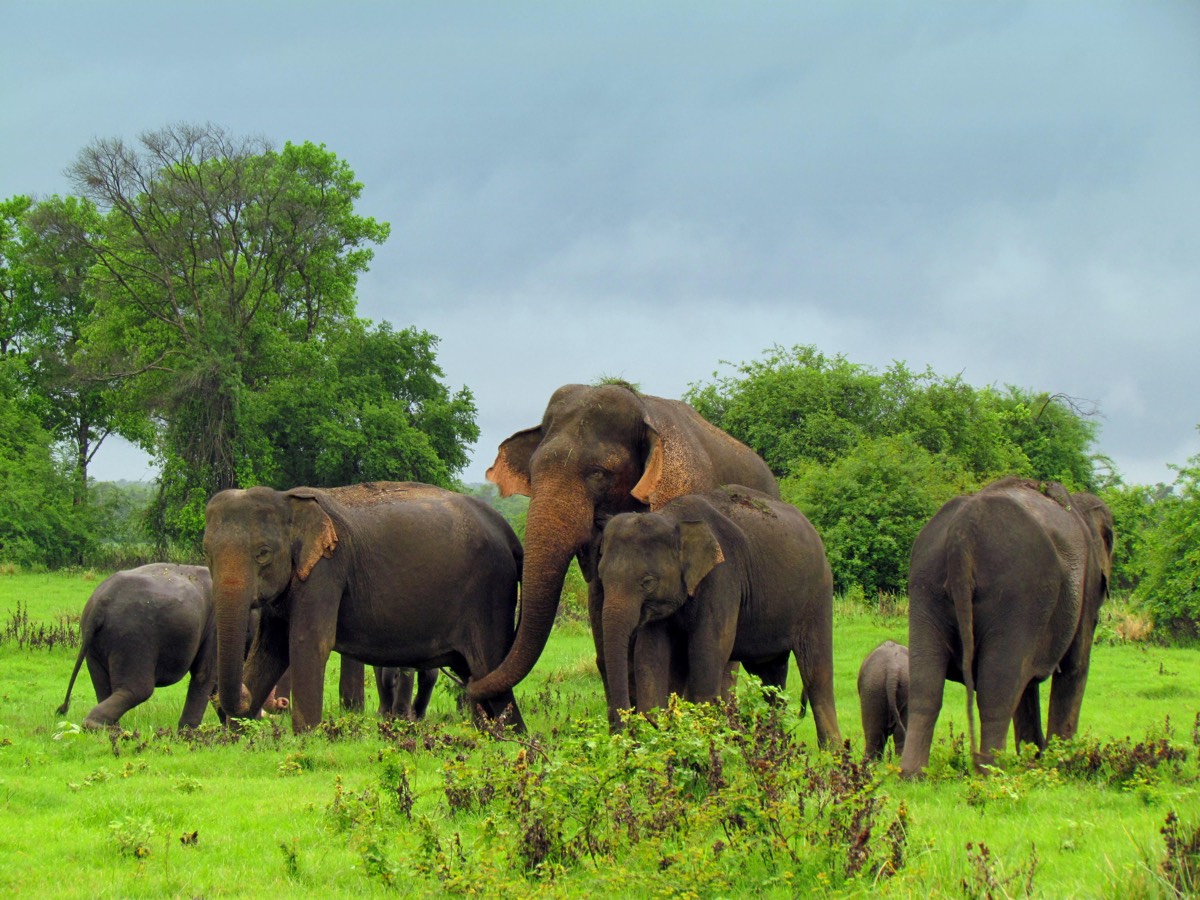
[[197, 297]]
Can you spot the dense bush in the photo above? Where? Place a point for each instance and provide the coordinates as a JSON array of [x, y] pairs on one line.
[[870, 456], [1170, 590]]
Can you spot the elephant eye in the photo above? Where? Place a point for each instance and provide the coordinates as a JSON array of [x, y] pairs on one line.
[[649, 583], [263, 556]]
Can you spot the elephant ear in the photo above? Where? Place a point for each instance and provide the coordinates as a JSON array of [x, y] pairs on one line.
[[652, 467], [313, 528], [510, 471], [699, 553]]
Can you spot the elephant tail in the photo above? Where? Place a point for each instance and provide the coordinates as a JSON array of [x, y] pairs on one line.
[[960, 585], [892, 685], [83, 649]]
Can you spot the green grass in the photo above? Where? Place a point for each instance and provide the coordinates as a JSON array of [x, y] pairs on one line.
[[113, 814]]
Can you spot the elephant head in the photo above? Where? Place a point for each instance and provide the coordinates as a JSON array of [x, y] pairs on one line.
[[600, 451], [255, 542], [650, 567]]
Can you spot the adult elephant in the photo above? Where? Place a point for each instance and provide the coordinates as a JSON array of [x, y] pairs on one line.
[[387, 573], [728, 575], [600, 451], [1005, 588]]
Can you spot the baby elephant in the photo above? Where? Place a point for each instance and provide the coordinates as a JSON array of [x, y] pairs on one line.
[[395, 686], [728, 575], [145, 628], [883, 694]]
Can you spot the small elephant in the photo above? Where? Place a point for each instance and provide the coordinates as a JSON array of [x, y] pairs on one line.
[[728, 575], [145, 628], [395, 686], [599, 451], [883, 697], [387, 573], [1004, 591]]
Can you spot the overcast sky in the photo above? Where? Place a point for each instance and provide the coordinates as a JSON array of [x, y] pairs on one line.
[[661, 191]]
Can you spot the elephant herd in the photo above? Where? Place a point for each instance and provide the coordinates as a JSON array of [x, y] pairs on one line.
[[693, 565]]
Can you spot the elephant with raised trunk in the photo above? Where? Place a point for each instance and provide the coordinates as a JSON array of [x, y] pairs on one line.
[[729, 575], [1005, 588], [387, 573], [883, 698], [600, 451]]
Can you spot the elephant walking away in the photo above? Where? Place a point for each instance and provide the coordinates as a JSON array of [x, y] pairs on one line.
[[727, 575], [883, 698], [387, 573], [145, 628], [1005, 588], [395, 686], [600, 451]]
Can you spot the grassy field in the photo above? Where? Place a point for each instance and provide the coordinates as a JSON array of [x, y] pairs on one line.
[[699, 802]]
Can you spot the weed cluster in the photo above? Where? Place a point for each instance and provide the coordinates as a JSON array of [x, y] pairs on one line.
[[710, 798], [29, 635]]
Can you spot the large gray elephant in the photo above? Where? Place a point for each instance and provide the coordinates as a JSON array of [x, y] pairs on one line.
[[883, 698], [145, 628], [391, 574], [600, 451], [731, 574], [1005, 588]]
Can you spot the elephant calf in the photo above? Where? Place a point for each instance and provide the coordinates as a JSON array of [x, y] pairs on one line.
[[883, 696], [145, 628], [728, 575], [395, 686]]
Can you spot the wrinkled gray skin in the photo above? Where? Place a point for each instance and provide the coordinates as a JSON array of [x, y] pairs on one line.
[[600, 451], [395, 686], [728, 575], [145, 628], [1005, 588], [388, 573], [883, 697]]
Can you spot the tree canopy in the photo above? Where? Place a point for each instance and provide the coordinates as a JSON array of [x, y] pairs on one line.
[[198, 297]]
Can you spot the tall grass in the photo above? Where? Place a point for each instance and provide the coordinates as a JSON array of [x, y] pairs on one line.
[[727, 800]]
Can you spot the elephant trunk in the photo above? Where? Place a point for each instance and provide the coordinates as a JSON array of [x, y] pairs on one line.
[[620, 620], [231, 598], [554, 532]]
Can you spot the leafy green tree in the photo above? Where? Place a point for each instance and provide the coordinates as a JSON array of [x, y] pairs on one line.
[[368, 405], [1136, 509], [39, 522], [13, 273], [794, 405], [1170, 589], [217, 260], [870, 505]]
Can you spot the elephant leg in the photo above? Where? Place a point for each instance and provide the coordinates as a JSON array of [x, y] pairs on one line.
[[773, 674], [384, 688], [426, 679], [1027, 722], [200, 688], [928, 664], [102, 684], [652, 664], [351, 685], [134, 684], [814, 659], [999, 689], [1066, 700], [596, 620]]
